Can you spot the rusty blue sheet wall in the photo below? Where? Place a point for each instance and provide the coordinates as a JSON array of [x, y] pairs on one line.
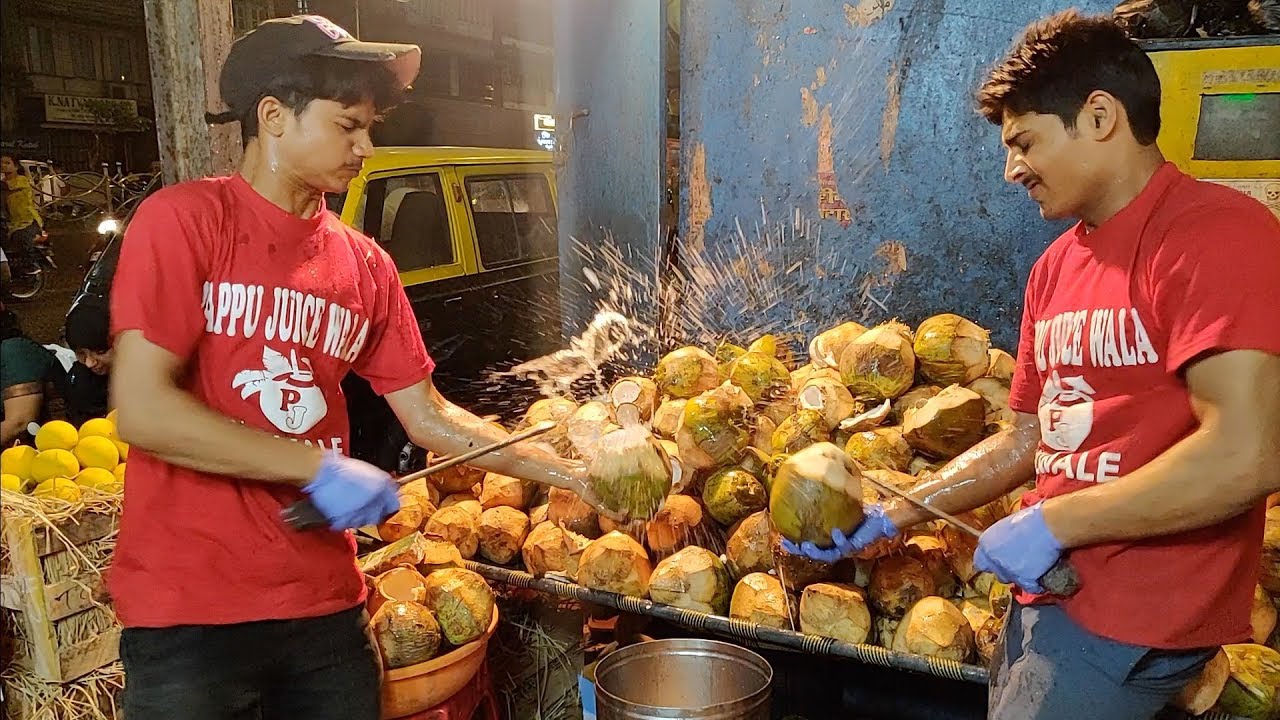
[[611, 126], [883, 89]]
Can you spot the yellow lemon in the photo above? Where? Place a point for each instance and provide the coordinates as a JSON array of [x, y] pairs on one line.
[[57, 435], [17, 461], [119, 472], [11, 483], [111, 417], [98, 427], [97, 452], [99, 479], [61, 488], [54, 464], [122, 447]]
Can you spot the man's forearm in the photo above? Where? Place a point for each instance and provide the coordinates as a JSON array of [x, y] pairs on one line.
[[206, 441], [978, 476], [1203, 480], [446, 429]]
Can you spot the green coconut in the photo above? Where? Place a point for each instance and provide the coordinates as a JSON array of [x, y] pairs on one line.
[[947, 424], [762, 377], [715, 428], [880, 449], [406, 632], [801, 430], [686, 372], [462, 603], [748, 549], [880, 364], [951, 350], [1251, 692], [631, 472], [727, 352], [815, 491], [694, 579], [732, 494]]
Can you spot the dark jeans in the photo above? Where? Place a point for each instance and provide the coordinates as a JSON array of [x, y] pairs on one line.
[[1047, 667], [313, 669]]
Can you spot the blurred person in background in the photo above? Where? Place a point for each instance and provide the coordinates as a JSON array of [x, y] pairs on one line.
[[87, 333], [27, 371], [25, 225]]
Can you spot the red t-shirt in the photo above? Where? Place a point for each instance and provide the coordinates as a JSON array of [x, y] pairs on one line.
[[269, 311], [1111, 318]]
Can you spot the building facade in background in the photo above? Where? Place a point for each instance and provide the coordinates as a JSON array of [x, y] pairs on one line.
[[77, 86]]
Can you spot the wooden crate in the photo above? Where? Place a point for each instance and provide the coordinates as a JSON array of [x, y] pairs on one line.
[[42, 604]]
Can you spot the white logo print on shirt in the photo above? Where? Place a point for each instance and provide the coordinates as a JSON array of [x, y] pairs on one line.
[[287, 392], [1066, 412]]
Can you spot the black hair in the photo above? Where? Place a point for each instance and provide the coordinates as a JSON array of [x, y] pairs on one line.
[[316, 77], [17, 162], [89, 326], [1060, 60]]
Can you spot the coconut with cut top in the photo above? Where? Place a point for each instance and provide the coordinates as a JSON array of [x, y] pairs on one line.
[[880, 364], [951, 349], [815, 491], [715, 427]]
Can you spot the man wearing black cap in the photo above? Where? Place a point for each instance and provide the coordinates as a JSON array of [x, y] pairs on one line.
[[239, 305]]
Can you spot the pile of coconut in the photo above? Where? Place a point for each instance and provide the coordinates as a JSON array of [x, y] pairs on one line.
[[712, 457]]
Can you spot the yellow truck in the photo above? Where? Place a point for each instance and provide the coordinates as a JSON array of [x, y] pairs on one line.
[[1220, 117]]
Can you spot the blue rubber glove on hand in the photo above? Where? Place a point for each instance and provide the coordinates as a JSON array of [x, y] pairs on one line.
[[876, 526], [352, 494], [1019, 549]]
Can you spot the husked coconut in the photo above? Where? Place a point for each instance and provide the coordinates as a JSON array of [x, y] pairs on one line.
[[539, 514], [879, 449], [406, 551], [800, 431], [761, 376], [948, 424], [412, 515], [457, 479], [631, 472], [1251, 691], [835, 610], [424, 490], [675, 526], [995, 399], [502, 532], [666, 419], [557, 410], [960, 547], [951, 349], [505, 490], [568, 510], [406, 634], [935, 627], [932, 552], [829, 397], [466, 501], [801, 377], [985, 627], [715, 428], [1000, 365], [615, 563], [726, 353], [458, 526], [547, 549], [462, 602], [899, 582], [639, 391], [1263, 617], [1201, 694], [912, 399], [586, 426], [749, 548], [760, 599], [826, 348], [880, 364], [732, 494], [1270, 577], [814, 492], [796, 572], [694, 579], [686, 373]]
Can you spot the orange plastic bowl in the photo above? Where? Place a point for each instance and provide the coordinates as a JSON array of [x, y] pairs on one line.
[[415, 688]]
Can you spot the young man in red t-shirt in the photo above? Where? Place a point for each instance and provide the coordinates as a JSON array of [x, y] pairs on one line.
[[238, 306], [1147, 391]]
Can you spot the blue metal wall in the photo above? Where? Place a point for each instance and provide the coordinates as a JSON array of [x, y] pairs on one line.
[[611, 127], [909, 157]]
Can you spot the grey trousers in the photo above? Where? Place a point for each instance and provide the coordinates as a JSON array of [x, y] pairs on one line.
[[1047, 667]]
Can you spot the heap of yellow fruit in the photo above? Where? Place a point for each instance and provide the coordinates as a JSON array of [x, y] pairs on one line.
[[66, 460]]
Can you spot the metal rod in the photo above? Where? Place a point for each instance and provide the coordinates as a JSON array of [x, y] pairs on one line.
[[890, 490], [539, 429]]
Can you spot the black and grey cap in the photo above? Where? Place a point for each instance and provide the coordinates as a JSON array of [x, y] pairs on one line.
[[249, 65]]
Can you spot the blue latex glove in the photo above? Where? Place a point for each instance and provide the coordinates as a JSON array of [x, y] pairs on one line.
[[1019, 549], [351, 494], [875, 526]]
